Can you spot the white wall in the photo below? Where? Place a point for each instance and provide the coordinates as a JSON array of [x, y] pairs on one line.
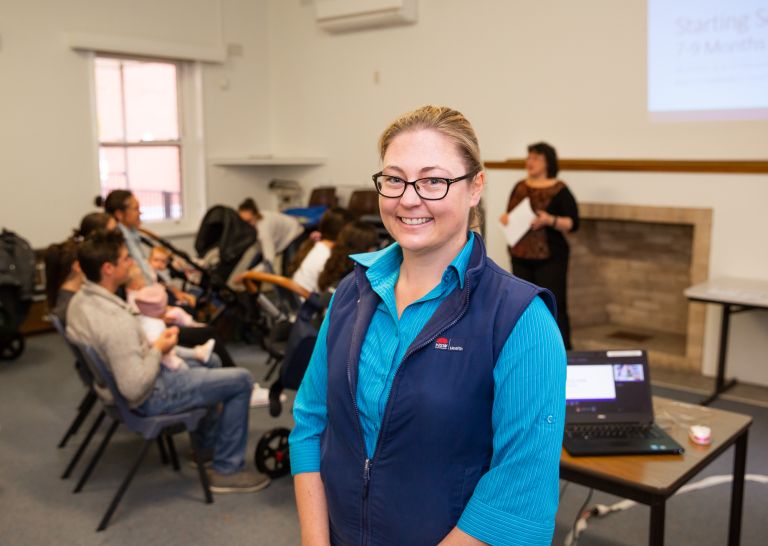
[[571, 73]]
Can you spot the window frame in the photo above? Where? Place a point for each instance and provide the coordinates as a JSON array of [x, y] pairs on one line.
[[190, 142]]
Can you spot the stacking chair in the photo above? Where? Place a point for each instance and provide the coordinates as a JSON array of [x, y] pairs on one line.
[[85, 376], [85, 406], [323, 195], [364, 204], [150, 428]]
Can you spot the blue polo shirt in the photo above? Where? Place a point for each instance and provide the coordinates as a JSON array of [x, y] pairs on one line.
[[517, 498]]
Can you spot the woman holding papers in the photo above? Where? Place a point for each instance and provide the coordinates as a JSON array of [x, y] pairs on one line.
[[541, 255], [432, 408]]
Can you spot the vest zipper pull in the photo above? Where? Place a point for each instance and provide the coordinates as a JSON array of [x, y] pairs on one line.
[[366, 477]]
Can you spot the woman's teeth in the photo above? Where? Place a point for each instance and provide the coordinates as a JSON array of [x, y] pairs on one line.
[[414, 221]]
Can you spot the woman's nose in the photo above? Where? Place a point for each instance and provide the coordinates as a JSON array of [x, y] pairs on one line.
[[410, 197]]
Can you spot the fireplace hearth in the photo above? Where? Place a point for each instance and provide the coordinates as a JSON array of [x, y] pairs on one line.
[[629, 267]]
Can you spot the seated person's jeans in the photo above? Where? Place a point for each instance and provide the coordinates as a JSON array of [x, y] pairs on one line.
[[226, 433]]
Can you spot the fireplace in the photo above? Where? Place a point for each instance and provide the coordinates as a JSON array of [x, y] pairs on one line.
[[629, 267]]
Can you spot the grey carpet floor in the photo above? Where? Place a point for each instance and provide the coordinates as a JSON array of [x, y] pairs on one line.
[[38, 396]]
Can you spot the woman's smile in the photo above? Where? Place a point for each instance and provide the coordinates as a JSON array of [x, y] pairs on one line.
[[410, 221]]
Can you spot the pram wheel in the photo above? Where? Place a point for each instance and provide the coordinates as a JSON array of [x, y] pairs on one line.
[[271, 455], [11, 346]]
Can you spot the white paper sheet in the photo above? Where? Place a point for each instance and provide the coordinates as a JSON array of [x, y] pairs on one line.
[[519, 222]]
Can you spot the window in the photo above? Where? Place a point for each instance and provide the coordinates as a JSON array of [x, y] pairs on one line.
[[141, 146]]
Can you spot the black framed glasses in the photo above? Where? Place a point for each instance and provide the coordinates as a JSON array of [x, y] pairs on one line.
[[431, 189]]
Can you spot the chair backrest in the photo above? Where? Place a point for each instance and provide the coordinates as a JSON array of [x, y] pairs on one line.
[[103, 377], [363, 202], [80, 365], [325, 195]]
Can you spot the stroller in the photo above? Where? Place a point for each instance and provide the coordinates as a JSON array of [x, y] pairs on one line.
[[220, 243], [17, 281], [271, 456]]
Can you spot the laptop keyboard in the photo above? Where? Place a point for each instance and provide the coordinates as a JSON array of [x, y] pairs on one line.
[[612, 431]]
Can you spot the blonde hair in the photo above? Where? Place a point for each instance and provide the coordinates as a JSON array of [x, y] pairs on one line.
[[161, 250], [448, 122]]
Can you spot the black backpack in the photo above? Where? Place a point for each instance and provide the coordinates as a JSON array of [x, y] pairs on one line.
[[17, 279]]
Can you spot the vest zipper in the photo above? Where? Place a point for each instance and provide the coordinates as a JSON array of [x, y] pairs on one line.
[[368, 462]]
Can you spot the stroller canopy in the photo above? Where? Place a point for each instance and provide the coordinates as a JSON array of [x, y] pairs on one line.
[[223, 229]]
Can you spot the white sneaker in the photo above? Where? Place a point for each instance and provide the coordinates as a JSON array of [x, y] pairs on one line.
[[203, 352], [260, 397]]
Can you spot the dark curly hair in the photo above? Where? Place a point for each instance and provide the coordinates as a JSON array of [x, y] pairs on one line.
[[59, 258], [330, 225], [354, 238]]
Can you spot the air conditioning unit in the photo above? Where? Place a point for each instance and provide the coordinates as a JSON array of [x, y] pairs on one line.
[[350, 15]]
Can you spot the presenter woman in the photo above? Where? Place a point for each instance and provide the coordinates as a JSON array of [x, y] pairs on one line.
[[541, 256], [432, 409]]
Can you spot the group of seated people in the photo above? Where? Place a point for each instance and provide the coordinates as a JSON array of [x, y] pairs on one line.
[[117, 298], [316, 262]]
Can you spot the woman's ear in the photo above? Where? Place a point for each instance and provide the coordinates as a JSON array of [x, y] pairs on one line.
[[476, 187]]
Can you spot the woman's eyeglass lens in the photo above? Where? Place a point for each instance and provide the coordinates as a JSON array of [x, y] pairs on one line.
[[431, 189]]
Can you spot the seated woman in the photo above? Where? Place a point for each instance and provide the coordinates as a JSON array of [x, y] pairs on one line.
[[62, 272], [278, 233], [63, 277], [93, 221], [312, 255], [125, 208], [354, 238]]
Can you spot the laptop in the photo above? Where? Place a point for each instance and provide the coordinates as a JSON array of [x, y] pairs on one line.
[[608, 406]]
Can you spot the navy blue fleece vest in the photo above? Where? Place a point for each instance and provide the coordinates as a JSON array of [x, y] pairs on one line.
[[436, 437]]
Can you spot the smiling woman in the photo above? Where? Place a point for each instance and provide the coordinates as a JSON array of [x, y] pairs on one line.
[[432, 409]]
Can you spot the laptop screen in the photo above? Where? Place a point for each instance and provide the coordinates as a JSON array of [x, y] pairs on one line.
[[608, 387]]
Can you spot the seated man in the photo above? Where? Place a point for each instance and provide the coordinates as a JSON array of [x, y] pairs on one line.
[[98, 318]]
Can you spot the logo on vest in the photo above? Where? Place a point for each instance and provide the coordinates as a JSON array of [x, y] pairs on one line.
[[446, 344]]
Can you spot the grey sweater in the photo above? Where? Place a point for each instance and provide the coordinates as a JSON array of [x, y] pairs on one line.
[[103, 321]]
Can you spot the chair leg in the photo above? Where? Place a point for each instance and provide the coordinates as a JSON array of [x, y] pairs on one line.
[[82, 412], [161, 448], [123, 486], [81, 449], [96, 457], [201, 472], [275, 363], [172, 452]]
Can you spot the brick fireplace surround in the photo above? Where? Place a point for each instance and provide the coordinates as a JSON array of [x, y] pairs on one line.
[[629, 267]]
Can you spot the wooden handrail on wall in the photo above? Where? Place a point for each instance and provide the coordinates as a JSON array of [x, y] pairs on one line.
[[646, 165]]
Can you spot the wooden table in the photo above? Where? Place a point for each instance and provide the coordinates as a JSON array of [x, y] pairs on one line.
[[735, 296], [652, 479]]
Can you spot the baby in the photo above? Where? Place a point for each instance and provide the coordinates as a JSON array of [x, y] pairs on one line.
[[159, 258], [155, 300], [174, 359], [155, 314]]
